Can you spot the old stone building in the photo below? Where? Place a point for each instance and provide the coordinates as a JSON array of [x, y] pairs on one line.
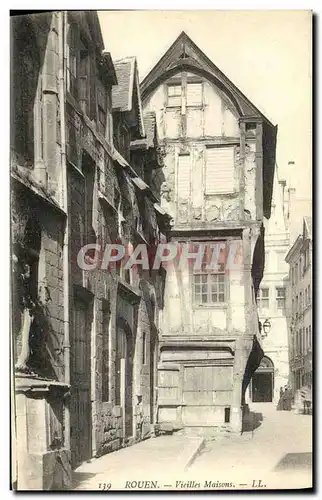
[[219, 155], [85, 334], [273, 372], [300, 298]]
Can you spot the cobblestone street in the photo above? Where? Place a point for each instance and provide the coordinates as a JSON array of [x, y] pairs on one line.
[[278, 452]]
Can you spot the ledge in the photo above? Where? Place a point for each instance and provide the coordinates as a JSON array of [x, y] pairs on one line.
[[128, 292], [34, 385]]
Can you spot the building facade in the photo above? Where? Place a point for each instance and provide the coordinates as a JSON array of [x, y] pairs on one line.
[[300, 323], [273, 373], [219, 156], [84, 326]]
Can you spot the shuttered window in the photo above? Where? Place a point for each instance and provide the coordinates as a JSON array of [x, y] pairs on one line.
[[219, 170], [184, 176], [194, 94]]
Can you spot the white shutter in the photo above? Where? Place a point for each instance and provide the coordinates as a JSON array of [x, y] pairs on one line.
[[194, 94], [184, 176], [220, 170]]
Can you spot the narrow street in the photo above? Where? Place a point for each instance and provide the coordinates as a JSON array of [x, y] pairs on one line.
[[278, 452]]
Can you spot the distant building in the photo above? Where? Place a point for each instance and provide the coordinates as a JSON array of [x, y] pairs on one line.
[[300, 292], [273, 372]]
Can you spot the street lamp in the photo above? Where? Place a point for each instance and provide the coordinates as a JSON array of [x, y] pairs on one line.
[[266, 326]]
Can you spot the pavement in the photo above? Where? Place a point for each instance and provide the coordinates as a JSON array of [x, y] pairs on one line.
[[278, 451], [151, 461], [275, 452]]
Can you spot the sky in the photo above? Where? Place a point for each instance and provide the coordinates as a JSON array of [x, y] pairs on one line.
[[265, 53]]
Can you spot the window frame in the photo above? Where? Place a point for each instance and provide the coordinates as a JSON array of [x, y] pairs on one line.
[[277, 298], [174, 85], [223, 290], [260, 298]]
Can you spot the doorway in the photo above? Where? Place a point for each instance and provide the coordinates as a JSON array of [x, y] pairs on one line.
[[262, 383], [262, 388], [80, 415], [124, 377]]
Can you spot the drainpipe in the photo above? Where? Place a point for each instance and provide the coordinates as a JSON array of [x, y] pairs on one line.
[[62, 65]]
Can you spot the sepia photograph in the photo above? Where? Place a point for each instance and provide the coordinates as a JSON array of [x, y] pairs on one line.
[[161, 250]]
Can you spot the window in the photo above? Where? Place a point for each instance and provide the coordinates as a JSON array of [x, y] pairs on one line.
[[174, 95], [297, 305], [83, 76], [144, 348], [209, 285], [194, 94], [305, 298], [296, 272], [183, 185], [263, 298], [220, 166], [209, 288], [293, 275], [106, 350], [306, 339], [293, 307], [310, 337], [227, 415], [297, 343], [301, 303], [309, 295]]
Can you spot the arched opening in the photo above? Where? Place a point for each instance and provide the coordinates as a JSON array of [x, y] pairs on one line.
[[124, 374], [262, 384]]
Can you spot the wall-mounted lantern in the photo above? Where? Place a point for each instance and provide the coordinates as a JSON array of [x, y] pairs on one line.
[[266, 327]]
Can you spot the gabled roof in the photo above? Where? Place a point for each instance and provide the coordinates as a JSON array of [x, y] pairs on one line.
[[123, 94], [295, 249], [184, 55], [150, 132]]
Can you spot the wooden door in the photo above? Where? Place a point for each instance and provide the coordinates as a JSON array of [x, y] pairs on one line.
[[206, 394], [80, 417]]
